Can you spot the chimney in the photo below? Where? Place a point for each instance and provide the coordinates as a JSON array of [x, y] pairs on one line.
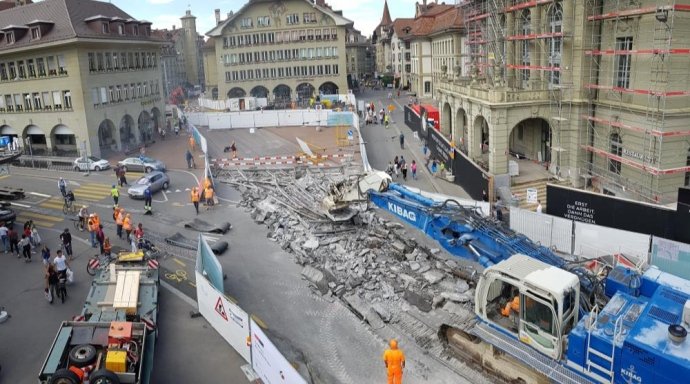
[[173, 27], [217, 12]]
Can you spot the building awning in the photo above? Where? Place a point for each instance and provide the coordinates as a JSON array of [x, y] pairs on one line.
[[34, 130], [7, 130], [63, 130]]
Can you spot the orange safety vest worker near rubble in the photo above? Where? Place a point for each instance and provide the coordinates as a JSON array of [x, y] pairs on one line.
[[395, 362]]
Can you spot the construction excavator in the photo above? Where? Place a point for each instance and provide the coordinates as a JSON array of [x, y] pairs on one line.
[[542, 317]]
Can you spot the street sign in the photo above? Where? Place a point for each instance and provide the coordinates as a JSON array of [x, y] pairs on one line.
[[221, 310]]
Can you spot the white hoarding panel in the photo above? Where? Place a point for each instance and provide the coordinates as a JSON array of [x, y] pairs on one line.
[[291, 118], [269, 363], [243, 120], [229, 320], [593, 241], [266, 119], [671, 256], [549, 231]]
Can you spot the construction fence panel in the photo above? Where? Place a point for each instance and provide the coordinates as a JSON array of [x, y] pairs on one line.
[[549, 231], [242, 120], [266, 119], [219, 120], [592, 241], [671, 256], [228, 319], [271, 366], [197, 118], [291, 118]]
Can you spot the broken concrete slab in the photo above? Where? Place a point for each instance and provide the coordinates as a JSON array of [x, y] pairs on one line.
[[316, 277], [434, 276], [422, 302], [312, 243]]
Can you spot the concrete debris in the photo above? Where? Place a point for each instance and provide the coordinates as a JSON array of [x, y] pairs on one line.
[[434, 276], [367, 260]]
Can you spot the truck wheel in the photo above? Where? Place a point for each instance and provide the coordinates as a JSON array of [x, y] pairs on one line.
[[64, 376], [104, 376], [82, 355]]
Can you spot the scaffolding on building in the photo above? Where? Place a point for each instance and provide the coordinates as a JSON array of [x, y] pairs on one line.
[[506, 45], [623, 108]]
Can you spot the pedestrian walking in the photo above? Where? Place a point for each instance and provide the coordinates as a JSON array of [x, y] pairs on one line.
[[93, 228], [389, 169], [386, 120], [52, 278], [25, 246], [100, 237], [116, 170], [413, 168], [499, 213], [434, 167], [14, 241], [83, 217], [195, 198], [35, 237], [62, 185], [45, 255], [394, 359], [119, 221], [396, 166], [382, 113], [127, 226], [115, 193], [139, 235], [123, 177], [148, 199], [192, 143], [190, 159], [4, 238], [539, 206], [66, 238], [402, 140], [60, 263], [404, 171]]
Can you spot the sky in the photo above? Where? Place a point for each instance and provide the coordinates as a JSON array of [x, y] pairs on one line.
[[165, 13]]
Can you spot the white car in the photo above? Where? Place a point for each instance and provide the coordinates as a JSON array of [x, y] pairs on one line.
[[94, 164]]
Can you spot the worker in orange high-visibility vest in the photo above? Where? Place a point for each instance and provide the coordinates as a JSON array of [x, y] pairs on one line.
[[93, 228], [511, 306], [208, 195], [195, 196], [127, 226], [395, 362], [119, 221]]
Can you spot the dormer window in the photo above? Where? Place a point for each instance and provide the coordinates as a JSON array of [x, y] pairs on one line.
[[105, 28], [10, 37], [120, 29], [35, 33], [135, 30]]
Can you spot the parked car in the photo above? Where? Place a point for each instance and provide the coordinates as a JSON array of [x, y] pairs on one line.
[[7, 214], [142, 164], [94, 164], [156, 180]]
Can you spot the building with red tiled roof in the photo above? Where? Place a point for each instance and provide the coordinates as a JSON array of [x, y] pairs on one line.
[[400, 51], [76, 72], [435, 45], [381, 37]]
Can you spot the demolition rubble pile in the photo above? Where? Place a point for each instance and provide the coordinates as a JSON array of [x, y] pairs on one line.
[[369, 259]]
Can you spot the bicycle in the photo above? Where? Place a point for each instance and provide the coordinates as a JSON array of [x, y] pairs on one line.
[[68, 207], [78, 223], [98, 262]]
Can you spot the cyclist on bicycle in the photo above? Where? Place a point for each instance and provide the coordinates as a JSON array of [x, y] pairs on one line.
[[62, 184], [83, 215], [69, 199]]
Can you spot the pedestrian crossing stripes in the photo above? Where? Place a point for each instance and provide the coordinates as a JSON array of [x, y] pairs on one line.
[[83, 193], [41, 220]]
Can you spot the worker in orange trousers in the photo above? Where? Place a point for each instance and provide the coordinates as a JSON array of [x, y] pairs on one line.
[[395, 362]]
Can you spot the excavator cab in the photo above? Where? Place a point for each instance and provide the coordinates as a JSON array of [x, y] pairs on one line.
[[531, 300]]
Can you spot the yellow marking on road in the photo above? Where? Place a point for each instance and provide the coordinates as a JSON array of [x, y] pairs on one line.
[[95, 188], [4, 177], [192, 284], [179, 262], [53, 202], [41, 216], [89, 196], [38, 222], [176, 204]]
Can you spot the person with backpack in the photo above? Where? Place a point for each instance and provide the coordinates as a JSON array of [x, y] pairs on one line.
[[66, 238]]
